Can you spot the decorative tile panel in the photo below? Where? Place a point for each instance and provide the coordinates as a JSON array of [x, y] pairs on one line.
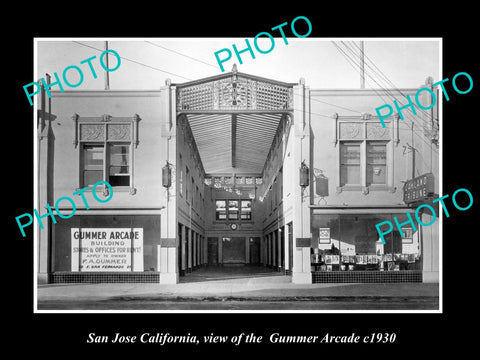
[[376, 131], [351, 130], [92, 132], [119, 132]]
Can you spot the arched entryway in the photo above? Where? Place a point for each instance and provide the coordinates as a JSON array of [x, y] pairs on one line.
[[232, 150]]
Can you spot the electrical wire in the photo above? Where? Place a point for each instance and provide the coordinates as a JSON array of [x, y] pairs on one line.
[[357, 68], [381, 76], [389, 93], [179, 53], [356, 65], [136, 62]]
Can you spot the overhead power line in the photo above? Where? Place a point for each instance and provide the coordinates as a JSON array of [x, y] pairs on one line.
[[179, 53], [356, 67], [136, 62]]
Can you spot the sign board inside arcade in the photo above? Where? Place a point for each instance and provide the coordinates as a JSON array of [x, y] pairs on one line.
[[418, 189], [112, 250]]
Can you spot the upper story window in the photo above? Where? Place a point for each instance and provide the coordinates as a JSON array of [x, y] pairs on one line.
[[350, 163], [376, 163], [365, 153], [246, 209], [233, 209], [106, 150], [109, 162], [187, 173], [221, 209]]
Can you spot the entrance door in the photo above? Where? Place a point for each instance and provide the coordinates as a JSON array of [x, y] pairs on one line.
[[212, 258], [254, 250], [233, 250]]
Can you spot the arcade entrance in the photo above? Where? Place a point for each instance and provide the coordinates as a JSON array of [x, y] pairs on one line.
[[233, 156]]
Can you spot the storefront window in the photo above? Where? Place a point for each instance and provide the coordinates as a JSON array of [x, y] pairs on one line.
[[351, 242]]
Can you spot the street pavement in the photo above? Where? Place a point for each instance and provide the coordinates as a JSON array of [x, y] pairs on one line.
[[237, 289]]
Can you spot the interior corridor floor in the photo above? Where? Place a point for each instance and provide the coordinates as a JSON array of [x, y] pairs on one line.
[[240, 273]]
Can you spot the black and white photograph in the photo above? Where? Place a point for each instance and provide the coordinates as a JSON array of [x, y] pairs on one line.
[[222, 181], [203, 185]]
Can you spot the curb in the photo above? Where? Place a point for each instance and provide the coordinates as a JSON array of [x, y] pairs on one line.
[[373, 298]]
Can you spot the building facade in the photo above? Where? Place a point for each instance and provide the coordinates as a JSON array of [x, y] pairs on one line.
[[231, 170]]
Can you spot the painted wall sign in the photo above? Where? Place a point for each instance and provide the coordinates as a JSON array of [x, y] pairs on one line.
[[107, 250]]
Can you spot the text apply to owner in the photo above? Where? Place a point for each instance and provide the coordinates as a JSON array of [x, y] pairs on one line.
[[107, 249]]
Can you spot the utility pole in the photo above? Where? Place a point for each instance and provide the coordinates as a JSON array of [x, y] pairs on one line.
[[107, 78], [362, 67]]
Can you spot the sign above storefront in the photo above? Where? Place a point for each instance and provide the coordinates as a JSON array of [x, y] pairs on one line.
[[419, 189]]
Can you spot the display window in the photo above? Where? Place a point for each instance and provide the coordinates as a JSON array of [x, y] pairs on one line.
[[352, 243]]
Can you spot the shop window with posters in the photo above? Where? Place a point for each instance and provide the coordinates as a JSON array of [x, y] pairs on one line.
[[352, 243]]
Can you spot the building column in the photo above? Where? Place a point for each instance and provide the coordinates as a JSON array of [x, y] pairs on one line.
[[269, 251], [168, 257], [168, 261], [45, 146], [194, 250], [279, 250], [205, 250], [274, 250], [300, 135], [430, 249], [200, 252], [247, 250], [189, 246], [183, 247], [220, 250], [263, 251]]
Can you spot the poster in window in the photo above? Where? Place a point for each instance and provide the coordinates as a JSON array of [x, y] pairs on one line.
[[407, 237], [324, 236], [106, 249]]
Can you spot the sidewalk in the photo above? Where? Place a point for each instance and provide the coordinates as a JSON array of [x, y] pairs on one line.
[[271, 288]]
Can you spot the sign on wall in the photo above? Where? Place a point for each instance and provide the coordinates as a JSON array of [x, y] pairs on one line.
[[420, 188], [101, 249]]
